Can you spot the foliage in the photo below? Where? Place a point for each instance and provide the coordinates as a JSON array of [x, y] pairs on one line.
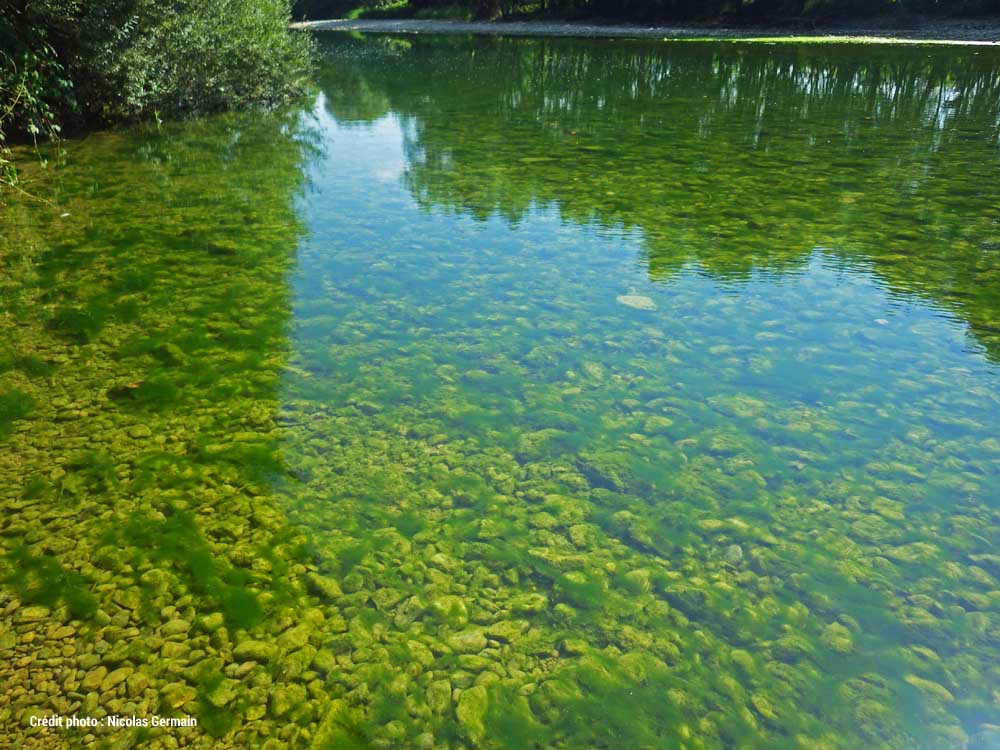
[[72, 63]]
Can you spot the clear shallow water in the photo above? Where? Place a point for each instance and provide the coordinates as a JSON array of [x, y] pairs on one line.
[[520, 394]]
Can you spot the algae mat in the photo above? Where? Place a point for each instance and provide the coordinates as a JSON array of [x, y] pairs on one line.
[[515, 394]]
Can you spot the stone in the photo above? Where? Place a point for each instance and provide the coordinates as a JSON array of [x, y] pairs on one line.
[[324, 661], [636, 301], [474, 662], [136, 683], [471, 712], [763, 706], [733, 554], [450, 610], [575, 646], [387, 598], [32, 614], [175, 650], [579, 535], [323, 587], [531, 602], [175, 627], [506, 630], [439, 696], [930, 688], [297, 662], [656, 424], [212, 622], [93, 679], [295, 637], [116, 678], [177, 694], [408, 612], [837, 638], [255, 651], [467, 641], [284, 698], [223, 693]]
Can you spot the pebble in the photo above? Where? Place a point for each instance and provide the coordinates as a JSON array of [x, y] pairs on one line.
[[116, 678], [93, 679], [255, 651], [175, 627], [32, 614]]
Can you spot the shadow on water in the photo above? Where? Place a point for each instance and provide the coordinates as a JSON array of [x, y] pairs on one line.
[[144, 337]]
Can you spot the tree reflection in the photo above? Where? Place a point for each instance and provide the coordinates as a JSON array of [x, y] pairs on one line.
[[732, 158]]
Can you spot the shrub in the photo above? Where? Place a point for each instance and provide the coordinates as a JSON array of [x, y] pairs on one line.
[[85, 62]]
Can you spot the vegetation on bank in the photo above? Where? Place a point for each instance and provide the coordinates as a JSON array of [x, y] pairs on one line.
[[729, 11], [69, 64]]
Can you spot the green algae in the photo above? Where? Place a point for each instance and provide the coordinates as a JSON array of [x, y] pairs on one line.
[[42, 579], [14, 405]]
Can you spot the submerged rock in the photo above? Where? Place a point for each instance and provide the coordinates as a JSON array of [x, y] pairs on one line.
[[439, 696], [471, 712], [255, 651], [284, 698], [733, 554], [468, 641], [636, 301]]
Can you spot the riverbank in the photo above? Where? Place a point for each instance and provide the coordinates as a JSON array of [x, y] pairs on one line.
[[985, 31]]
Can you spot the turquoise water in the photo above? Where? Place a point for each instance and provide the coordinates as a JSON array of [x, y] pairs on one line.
[[512, 394]]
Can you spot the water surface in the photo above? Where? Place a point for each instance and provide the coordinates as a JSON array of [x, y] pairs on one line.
[[518, 393]]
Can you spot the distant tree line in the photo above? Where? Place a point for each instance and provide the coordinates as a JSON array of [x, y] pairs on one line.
[[747, 11], [72, 63]]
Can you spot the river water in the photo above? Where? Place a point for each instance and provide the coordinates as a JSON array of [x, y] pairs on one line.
[[516, 394]]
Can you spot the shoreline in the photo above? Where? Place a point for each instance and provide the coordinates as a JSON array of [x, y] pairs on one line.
[[985, 32]]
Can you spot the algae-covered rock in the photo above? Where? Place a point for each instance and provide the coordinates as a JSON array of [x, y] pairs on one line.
[[450, 610], [580, 535], [136, 683], [529, 602], [93, 679], [324, 661], [175, 628], [222, 693], [690, 600], [285, 698], [930, 688], [255, 651], [471, 712], [763, 706], [791, 648], [32, 614], [293, 664], [177, 694], [211, 622], [439, 696], [115, 678], [506, 630], [837, 638], [386, 598], [324, 587], [476, 663], [408, 612], [294, 638], [733, 554], [467, 641]]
